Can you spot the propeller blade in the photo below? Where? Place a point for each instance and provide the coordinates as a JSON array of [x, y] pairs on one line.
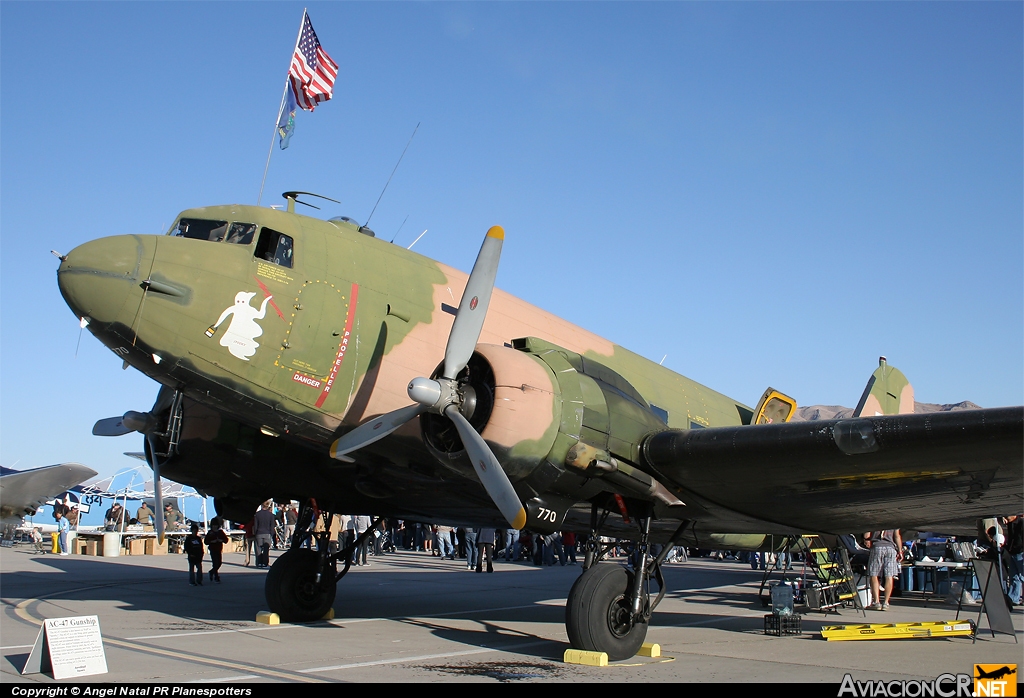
[[492, 477], [473, 307], [374, 430], [158, 495], [111, 426]]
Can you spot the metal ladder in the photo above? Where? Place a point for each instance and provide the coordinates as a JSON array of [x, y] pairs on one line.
[[832, 571]]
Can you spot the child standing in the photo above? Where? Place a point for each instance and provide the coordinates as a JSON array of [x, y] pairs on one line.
[[37, 538], [215, 540], [194, 550]]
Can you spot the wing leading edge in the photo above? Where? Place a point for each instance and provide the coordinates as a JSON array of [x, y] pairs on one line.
[[939, 471], [23, 492]]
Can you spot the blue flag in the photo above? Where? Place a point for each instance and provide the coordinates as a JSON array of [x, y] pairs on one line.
[[286, 122]]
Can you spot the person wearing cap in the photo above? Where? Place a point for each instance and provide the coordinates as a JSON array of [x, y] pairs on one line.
[[172, 518], [114, 518]]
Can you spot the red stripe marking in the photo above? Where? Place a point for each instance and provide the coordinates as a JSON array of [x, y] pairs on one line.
[[342, 346], [266, 292]]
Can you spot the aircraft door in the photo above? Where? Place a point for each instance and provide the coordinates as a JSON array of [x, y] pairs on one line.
[[316, 342], [774, 408]]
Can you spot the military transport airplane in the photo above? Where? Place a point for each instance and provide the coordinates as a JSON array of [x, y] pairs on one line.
[[305, 359]]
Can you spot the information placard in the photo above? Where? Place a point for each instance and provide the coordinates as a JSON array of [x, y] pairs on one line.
[[68, 647]]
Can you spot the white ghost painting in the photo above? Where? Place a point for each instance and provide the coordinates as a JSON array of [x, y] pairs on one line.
[[240, 336]]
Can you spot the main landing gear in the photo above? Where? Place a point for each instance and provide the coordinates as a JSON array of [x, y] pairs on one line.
[[300, 588], [302, 583], [609, 607]]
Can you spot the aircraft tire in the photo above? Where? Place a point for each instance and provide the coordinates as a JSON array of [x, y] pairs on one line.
[[291, 588], [596, 618]]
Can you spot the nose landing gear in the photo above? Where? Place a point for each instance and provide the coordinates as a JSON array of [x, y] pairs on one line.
[[296, 588], [301, 584]]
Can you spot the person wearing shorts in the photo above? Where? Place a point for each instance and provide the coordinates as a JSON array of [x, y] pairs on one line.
[[886, 551]]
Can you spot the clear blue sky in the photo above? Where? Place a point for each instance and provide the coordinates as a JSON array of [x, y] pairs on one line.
[[768, 193]]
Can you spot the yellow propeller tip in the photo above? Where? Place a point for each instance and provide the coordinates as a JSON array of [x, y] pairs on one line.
[[496, 232], [520, 521], [334, 450]]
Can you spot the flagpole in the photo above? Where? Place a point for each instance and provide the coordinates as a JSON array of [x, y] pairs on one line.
[[284, 93]]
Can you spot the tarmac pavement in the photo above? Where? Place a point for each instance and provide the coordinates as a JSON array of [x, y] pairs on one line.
[[411, 617]]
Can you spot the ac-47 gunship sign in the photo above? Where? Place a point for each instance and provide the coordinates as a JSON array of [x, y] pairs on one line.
[[305, 359]]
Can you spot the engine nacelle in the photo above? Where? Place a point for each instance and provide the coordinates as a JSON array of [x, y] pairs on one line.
[[532, 403]]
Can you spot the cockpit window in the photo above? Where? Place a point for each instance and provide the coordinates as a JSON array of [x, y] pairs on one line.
[[274, 247], [199, 229], [241, 233]]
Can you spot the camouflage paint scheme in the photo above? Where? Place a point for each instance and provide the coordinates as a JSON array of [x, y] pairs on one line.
[[344, 330], [399, 305], [888, 392]]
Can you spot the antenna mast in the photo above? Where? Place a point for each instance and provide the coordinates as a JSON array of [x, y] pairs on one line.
[[392, 174]]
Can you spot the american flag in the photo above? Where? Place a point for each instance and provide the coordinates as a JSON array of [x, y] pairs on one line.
[[312, 72]]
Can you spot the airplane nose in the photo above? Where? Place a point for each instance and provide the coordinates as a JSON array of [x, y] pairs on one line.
[[97, 278]]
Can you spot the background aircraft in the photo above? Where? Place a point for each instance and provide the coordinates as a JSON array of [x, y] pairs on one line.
[[23, 492]]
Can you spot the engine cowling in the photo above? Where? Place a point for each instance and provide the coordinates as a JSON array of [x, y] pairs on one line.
[[532, 403], [513, 400]]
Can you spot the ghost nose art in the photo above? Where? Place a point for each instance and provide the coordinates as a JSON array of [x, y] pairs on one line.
[[100, 279]]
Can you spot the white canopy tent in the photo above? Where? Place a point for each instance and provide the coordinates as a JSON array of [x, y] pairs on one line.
[[131, 483]]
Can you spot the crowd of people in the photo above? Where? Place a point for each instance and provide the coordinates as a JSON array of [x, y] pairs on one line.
[[480, 547], [273, 527]]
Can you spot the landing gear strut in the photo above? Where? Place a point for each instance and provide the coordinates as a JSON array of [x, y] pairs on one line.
[[297, 589], [302, 583], [599, 615], [609, 607]]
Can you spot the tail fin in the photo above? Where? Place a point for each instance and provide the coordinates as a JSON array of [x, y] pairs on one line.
[[888, 392]]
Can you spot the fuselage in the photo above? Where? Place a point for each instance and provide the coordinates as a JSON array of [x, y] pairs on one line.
[[283, 332], [276, 325], [302, 335]]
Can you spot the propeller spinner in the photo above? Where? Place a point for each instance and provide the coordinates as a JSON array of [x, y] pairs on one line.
[[145, 423], [444, 395]]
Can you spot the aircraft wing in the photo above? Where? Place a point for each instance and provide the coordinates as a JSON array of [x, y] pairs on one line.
[[21, 493], [939, 471]]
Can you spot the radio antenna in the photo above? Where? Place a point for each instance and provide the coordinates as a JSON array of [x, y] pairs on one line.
[[417, 239], [399, 229], [392, 174]]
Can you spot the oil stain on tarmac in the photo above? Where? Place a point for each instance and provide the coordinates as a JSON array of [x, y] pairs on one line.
[[505, 672]]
